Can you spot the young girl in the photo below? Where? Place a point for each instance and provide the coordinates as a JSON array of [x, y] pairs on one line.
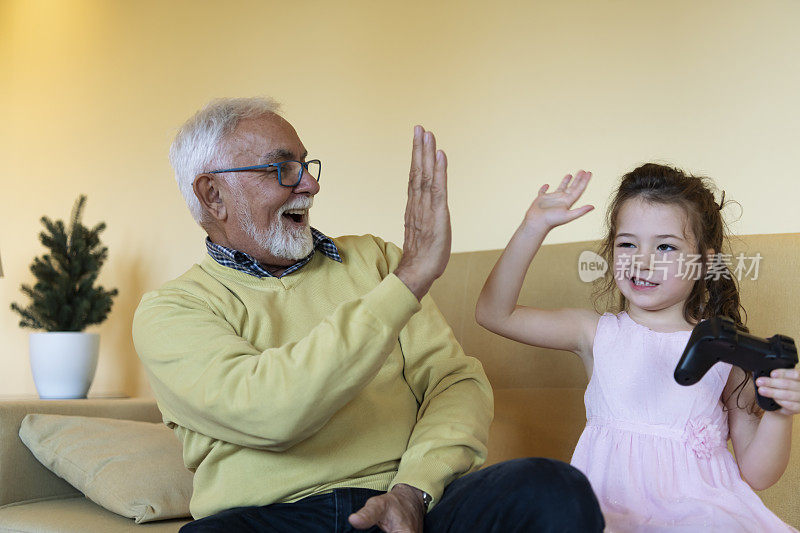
[[654, 451]]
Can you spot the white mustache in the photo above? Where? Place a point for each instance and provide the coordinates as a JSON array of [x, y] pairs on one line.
[[297, 203]]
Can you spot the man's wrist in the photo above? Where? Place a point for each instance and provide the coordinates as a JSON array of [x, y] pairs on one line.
[[418, 288], [423, 497]]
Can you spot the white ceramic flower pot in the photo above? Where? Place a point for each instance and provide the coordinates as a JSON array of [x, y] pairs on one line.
[[63, 363]]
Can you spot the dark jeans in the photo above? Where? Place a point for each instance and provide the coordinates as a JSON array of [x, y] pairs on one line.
[[524, 495]]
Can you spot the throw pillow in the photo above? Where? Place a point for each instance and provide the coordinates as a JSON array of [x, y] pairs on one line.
[[131, 468]]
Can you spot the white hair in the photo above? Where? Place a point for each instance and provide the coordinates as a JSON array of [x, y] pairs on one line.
[[196, 146]]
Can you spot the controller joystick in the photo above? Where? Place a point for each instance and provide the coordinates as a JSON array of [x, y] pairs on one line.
[[718, 339]]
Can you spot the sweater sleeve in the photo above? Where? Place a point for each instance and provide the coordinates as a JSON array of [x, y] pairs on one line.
[[208, 379], [456, 403]]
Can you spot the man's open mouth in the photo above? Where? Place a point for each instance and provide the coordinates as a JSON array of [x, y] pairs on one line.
[[297, 216]]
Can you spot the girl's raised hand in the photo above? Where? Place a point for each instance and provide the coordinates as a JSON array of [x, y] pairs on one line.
[[783, 386], [553, 209]]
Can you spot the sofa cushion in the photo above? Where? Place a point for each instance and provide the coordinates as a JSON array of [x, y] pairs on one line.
[[74, 515], [22, 477], [132, 468]]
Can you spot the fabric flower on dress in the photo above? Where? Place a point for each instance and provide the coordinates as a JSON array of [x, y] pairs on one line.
[[702, 436]]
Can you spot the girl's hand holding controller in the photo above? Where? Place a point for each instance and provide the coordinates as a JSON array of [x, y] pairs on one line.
[[553, 209], [783, 386]]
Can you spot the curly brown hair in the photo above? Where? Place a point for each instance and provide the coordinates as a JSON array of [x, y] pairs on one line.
[[711, 296]]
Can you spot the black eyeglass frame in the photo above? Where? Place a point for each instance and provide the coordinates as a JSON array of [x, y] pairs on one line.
[[279, 166]]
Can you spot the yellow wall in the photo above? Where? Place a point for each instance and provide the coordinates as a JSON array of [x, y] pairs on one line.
[[519, 93]]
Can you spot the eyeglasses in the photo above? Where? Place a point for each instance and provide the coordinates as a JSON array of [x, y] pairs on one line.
[[289, 172]]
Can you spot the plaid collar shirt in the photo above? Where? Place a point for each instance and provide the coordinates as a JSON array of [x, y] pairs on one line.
[[246, 263]]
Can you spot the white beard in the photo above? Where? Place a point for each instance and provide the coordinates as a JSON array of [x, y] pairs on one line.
[[280, 241]]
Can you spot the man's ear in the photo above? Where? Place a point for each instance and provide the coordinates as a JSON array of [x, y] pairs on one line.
[[206, 189]]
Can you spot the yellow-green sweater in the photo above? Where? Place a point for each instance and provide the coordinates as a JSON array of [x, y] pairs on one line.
[[332, 376]]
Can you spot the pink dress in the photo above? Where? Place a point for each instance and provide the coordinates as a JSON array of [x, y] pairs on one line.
[[654, 451]]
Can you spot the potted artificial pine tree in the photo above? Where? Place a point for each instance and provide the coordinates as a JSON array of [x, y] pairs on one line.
[[64, 301]]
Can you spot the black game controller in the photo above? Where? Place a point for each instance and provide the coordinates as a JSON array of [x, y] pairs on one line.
[[718, 339]]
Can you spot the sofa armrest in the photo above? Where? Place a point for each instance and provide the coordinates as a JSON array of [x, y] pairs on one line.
[[22, 477]]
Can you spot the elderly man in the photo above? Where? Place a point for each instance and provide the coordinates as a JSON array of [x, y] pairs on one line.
[[313, 385]]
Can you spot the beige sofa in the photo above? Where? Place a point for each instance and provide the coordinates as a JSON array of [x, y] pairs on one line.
[[538, 393]]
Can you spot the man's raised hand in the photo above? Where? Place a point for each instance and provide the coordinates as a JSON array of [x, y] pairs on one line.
[[426, 248]]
